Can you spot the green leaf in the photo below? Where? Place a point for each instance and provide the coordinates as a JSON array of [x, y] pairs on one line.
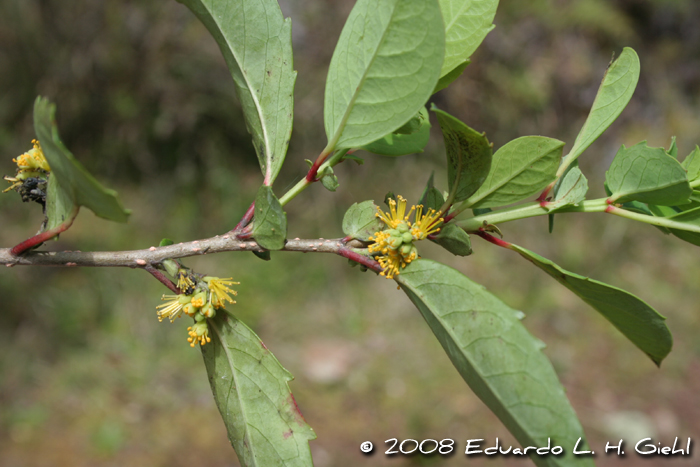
[[469, 156], [650, 210], [263, 255], [692, 164], [395, 144], [250, 388], [383, 70], [76, 183], [270, 222], [690, 237], [615, 92], [648, 175], [256, 41], [414, 124], [59, 205], [361, 221], [450, 77], [432, 197], [389, 196], [454, 239], [350, 157], [467, 22], [691, 216], [634, 318], [673, 149], [166, 242], [329, 180], [519, 169], [571, 191], [500, 361], [694, 198]]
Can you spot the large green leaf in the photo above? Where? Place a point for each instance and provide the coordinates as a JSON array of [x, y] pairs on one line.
[[256, 41], [519, 169], [361, 221], [649, 175], [634, 318], [76, 183], [467, 22], [469, 156], [59, 204], [270, 222], [250, 388], [615, 92], [383, 70], [396, 144], [497, 357]]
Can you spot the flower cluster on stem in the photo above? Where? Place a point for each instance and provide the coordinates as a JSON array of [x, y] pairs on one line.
[[393, 246], [199, 298], [32, 173]]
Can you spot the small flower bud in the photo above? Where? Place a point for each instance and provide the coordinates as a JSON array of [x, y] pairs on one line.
[[406, 249], [199, 333], [199, 299], [189, 309], [394, 242], [208, 310]]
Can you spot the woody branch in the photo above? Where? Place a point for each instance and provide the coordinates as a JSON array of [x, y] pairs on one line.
[[155, 255]]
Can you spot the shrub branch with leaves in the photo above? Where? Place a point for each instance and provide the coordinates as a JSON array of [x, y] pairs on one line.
[[392, 55]]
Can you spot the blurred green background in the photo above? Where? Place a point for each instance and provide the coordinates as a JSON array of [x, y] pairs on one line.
[[88, 377]]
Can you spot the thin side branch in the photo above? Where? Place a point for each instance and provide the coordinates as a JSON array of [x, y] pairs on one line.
[[163, 279]]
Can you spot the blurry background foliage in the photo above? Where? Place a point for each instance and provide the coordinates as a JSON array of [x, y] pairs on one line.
[[89, 378]]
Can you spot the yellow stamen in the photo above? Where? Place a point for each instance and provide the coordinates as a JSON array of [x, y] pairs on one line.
[[219, 292], [171, 309]]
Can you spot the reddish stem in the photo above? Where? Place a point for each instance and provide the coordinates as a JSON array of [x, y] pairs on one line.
[[313, 171], [245, 220], [245, 233], [545, 193], [44, 236], [359, 258], [161, 277], [449, 217], [490, 238]]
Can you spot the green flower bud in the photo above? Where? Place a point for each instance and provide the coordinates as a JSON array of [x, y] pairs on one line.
[[199, 334], [189, 309], [406, 249], [208, 311], [199, 299], [198, 317], [394, 242], [402, 227], [407, 237]]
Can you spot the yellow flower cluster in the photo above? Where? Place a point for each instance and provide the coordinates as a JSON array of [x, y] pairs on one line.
[[30, 164], [394, 245], [199, 299]]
